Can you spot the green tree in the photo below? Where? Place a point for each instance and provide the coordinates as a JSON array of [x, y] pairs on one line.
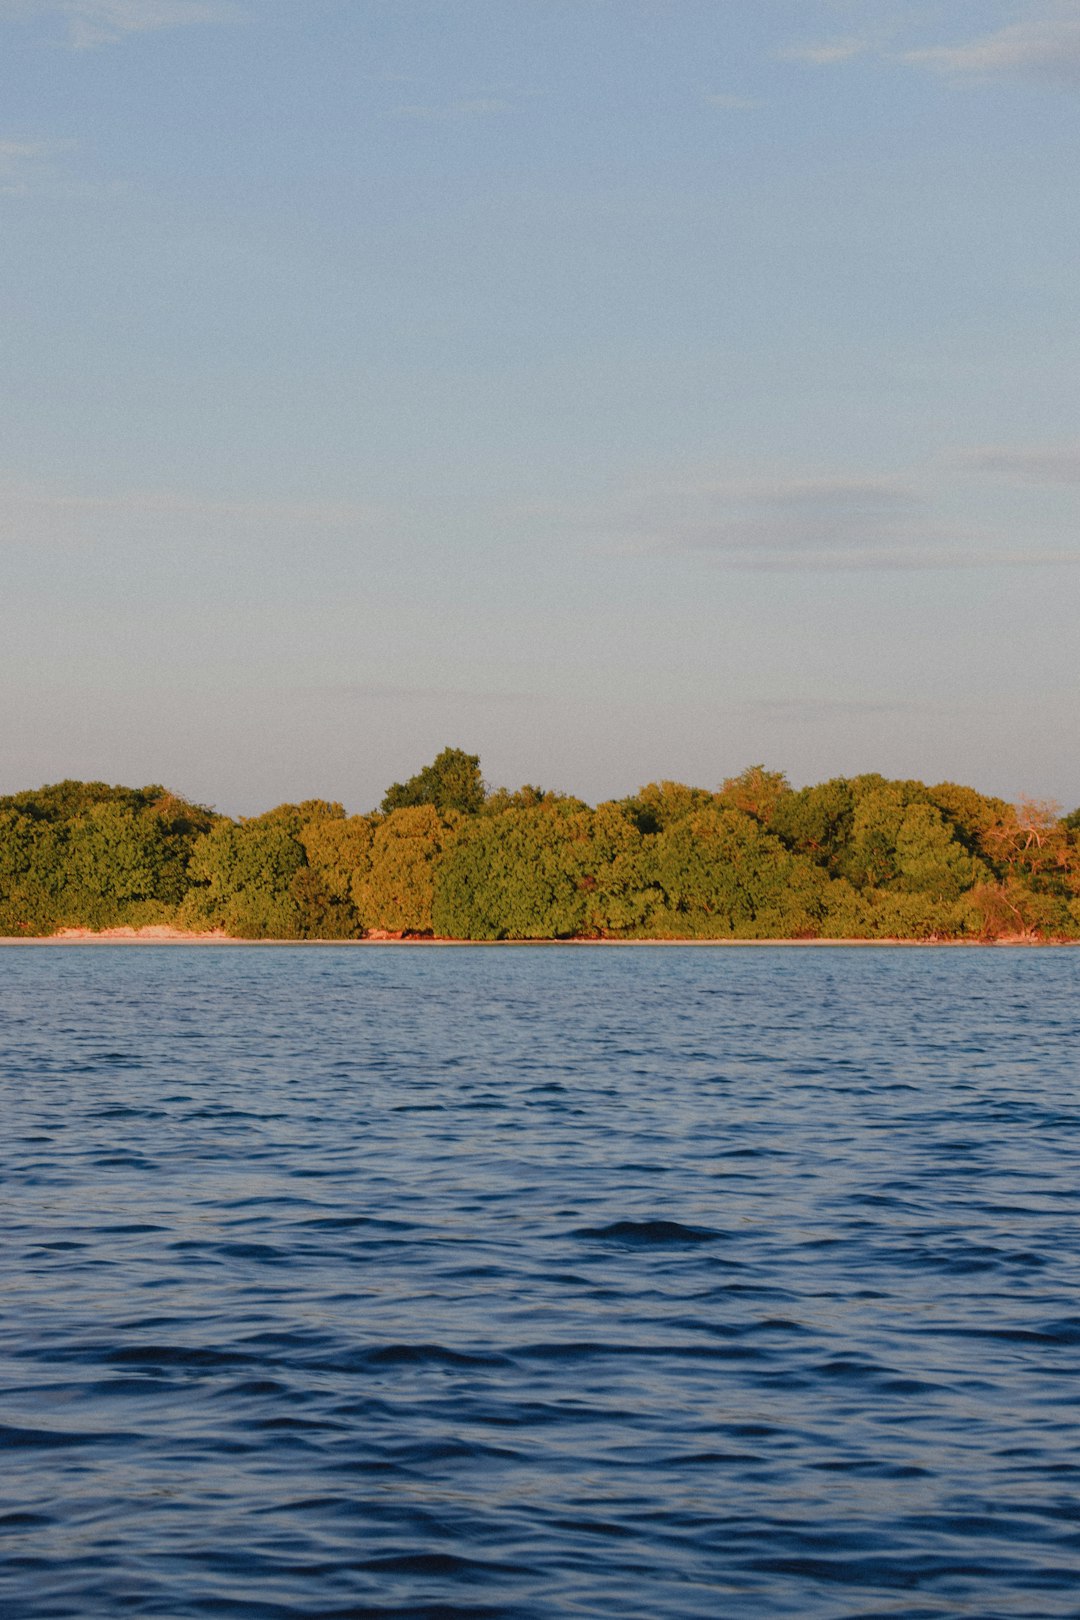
[[619, 882], [756, 792], [817, 821], [901, 842], [395, 892], [84, 854], [554, 870], [660, 804], [883, 836], [338, 851], [65, 801], [722, 876], [970, 814], [516, 875], [242, 875], [30, 874], [528, 797], [451, 782], [118, 868]]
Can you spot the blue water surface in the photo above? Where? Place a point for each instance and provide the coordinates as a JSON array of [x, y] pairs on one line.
[[539, 1282]]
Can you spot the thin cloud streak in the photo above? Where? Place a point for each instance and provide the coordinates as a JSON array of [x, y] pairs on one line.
[[827, 54], [13, 152], [755, 522], [759, 547], [896, 561], [822, 524], [25, 164], [1038, 464], [1043, 46], [836, 493], [91, 23]]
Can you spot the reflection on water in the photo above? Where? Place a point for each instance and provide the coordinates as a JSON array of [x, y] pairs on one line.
[[658, 1283]]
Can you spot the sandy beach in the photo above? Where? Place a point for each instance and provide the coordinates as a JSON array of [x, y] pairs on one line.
[[163, 934]]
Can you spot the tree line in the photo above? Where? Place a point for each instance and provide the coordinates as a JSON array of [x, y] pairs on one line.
[[861, 858]]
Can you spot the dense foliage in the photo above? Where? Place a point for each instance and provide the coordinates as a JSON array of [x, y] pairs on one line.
[[860, 857]]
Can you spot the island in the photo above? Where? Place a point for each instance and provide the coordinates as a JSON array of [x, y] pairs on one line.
[[445, 858]]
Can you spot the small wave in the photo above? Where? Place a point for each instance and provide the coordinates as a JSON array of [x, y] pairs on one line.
[[419, 1355], [13, 1438], [438, 1563], [265, 1254], [175, 1355], [1062, 1333], [650, 1234], [132, 1229]]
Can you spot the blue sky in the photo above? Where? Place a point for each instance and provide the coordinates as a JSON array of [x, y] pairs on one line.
[[620, 389]]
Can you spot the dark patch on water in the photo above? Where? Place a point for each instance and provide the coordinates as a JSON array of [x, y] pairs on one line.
[[649, 1234]]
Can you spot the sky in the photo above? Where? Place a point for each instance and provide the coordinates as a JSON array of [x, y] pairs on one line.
[[618, 389]]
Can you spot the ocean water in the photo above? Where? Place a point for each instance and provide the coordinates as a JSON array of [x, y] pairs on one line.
[[544, 1282]]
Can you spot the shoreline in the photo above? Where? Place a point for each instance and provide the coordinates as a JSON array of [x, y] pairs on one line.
[[158, 934]]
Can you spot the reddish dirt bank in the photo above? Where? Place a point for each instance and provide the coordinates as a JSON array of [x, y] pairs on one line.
[[164, 934]]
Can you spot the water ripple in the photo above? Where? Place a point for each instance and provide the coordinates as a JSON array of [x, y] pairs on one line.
[[530, 1284]]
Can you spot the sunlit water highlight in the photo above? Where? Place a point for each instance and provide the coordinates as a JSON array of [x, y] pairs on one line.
[[538, 1283]]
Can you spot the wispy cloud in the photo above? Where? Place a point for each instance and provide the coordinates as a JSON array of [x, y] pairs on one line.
[[452, 111], [24, 164], [812, 524], [98, 22], [828, 53], [893, 559], [1045, 45], [1032, 464], [841, 498], [756, 522]]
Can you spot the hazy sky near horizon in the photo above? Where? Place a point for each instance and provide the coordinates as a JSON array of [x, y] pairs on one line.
[[620, 389]]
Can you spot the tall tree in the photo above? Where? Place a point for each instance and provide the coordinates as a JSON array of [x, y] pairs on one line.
[[394, 890], [451, 782]]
